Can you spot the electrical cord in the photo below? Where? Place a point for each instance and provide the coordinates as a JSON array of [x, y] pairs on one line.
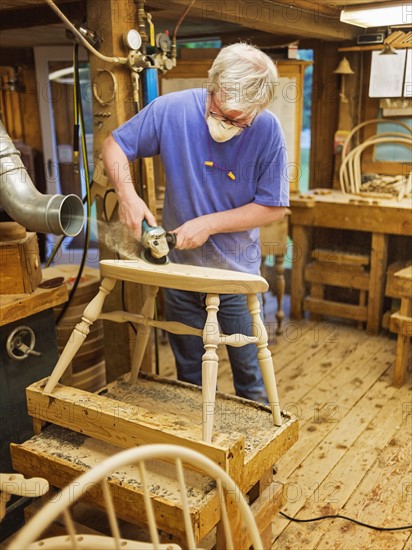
[[339, 516], [79, 123]]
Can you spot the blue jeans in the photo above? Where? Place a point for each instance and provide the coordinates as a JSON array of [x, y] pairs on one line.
[[234, 317]]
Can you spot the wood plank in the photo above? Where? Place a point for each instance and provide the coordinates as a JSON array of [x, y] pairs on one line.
[[258, 442], [291, 344], [18, 306], [335, 211], [264, 509], [335, 309], [337, 275], [116, 422], [339, 257]]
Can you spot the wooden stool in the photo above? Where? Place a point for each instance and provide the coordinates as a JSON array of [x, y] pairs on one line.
[[401, 323], [210, 281]]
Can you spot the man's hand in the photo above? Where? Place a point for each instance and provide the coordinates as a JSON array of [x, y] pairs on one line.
[[192, 233], [132, 212], [132, 209]]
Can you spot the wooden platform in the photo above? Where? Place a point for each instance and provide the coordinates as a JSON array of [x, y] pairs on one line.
[[245, 443]]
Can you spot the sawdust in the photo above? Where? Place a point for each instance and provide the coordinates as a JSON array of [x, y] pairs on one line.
[[86, 452], [177, 408]]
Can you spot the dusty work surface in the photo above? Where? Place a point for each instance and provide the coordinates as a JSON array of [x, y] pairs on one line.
[[157, 410], [176, 406]]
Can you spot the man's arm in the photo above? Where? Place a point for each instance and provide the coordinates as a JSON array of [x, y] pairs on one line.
[[132, 209], [195, 232]]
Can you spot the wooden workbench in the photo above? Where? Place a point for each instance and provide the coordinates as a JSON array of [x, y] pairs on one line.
[[336, 210], [19, 306]]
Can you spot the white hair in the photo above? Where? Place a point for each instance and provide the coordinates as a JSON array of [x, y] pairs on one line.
[[246, 78]]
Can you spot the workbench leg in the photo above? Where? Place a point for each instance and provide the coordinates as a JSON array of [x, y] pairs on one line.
[[279, 289], [316, 291], [403, 349], [80, 333], [264, 357], [38, 425], [302, 240], [379, 258], [210, 361], [143, 333]]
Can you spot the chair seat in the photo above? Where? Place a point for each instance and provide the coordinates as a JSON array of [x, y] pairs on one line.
[[184, 277]]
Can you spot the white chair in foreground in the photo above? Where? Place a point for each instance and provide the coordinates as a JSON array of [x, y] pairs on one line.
[[16, 484], [226, 487]]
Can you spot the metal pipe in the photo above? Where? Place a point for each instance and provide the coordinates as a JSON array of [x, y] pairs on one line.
[[58, 214], [82, 39]]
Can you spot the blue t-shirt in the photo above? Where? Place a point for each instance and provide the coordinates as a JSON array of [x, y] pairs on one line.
[[174, 126]]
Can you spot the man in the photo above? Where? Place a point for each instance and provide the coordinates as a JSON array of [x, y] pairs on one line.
[[224, 157]]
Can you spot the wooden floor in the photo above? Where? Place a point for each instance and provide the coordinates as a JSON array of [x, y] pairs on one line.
[[354, 453]]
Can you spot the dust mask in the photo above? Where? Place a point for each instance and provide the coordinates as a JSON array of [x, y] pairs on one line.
[[220, 131]]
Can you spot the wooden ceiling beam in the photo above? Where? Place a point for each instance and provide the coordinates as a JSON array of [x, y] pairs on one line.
[[266, 16], [40, 14]]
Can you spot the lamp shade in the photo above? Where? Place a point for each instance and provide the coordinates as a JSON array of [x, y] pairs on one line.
[[388, 50], [343, 67]]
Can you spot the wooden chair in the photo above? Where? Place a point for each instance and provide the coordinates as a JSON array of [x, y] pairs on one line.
[[235, 513], [210, 281], [16, 484]]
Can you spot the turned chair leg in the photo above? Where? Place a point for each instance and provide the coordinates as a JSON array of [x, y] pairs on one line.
[[80, 333], [280, 289], [210, 361], [264, 357], [143, 334]]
